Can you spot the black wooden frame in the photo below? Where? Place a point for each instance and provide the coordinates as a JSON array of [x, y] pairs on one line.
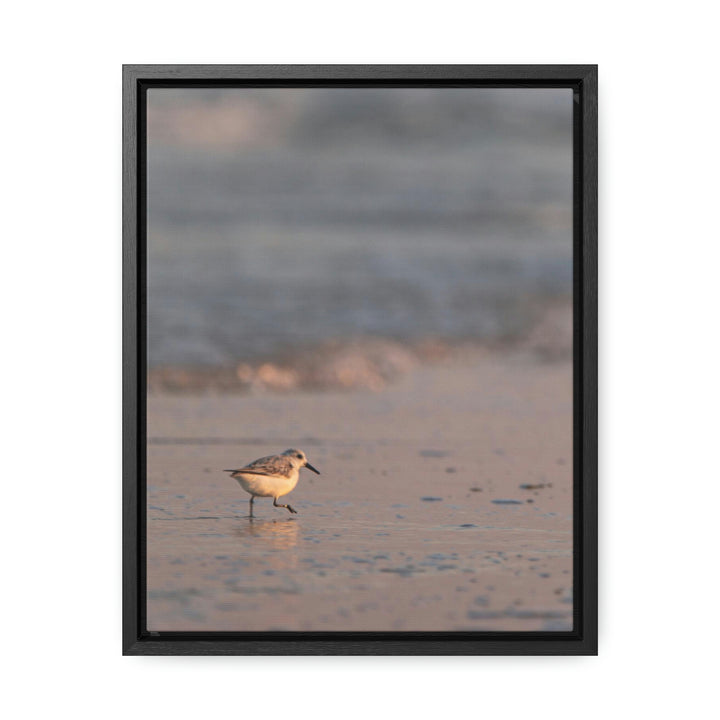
[[582, 640]]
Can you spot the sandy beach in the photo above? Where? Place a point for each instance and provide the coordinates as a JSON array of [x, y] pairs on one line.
[[444, 503]]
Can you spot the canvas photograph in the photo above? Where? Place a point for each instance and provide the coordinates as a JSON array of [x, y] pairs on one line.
[[358, 355]]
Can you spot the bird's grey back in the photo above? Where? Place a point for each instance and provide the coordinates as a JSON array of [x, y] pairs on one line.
[[270, 465]]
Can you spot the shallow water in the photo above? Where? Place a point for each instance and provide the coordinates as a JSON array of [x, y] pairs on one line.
[[401, 214], [358, 565]]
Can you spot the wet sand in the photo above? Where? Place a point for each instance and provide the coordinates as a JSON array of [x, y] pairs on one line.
[[444, 503]]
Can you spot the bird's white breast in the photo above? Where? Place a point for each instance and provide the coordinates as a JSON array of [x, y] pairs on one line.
[[266, 485]]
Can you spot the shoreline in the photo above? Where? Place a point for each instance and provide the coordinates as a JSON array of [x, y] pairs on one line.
[[364, 362]]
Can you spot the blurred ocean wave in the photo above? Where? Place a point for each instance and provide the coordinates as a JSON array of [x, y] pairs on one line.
[[280, 219], [364, 363]]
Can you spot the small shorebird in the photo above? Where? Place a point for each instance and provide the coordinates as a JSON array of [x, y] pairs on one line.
[[272, 476]]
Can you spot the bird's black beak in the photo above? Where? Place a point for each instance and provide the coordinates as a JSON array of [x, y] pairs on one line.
[[310, 467]]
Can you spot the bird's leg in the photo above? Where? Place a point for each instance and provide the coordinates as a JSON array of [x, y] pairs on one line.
[[252, 500], [290, 508]]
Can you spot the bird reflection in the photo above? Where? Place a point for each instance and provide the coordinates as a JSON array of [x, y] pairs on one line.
[[275, 534]]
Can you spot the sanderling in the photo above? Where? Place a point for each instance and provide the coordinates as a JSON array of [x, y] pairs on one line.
[[272, 476]]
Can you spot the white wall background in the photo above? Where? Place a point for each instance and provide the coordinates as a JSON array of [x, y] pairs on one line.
[[60, 287]]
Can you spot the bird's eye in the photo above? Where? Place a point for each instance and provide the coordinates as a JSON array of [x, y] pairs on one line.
[[299, 456]]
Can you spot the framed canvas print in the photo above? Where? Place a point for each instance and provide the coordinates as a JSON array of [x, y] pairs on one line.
[[360, 359]]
